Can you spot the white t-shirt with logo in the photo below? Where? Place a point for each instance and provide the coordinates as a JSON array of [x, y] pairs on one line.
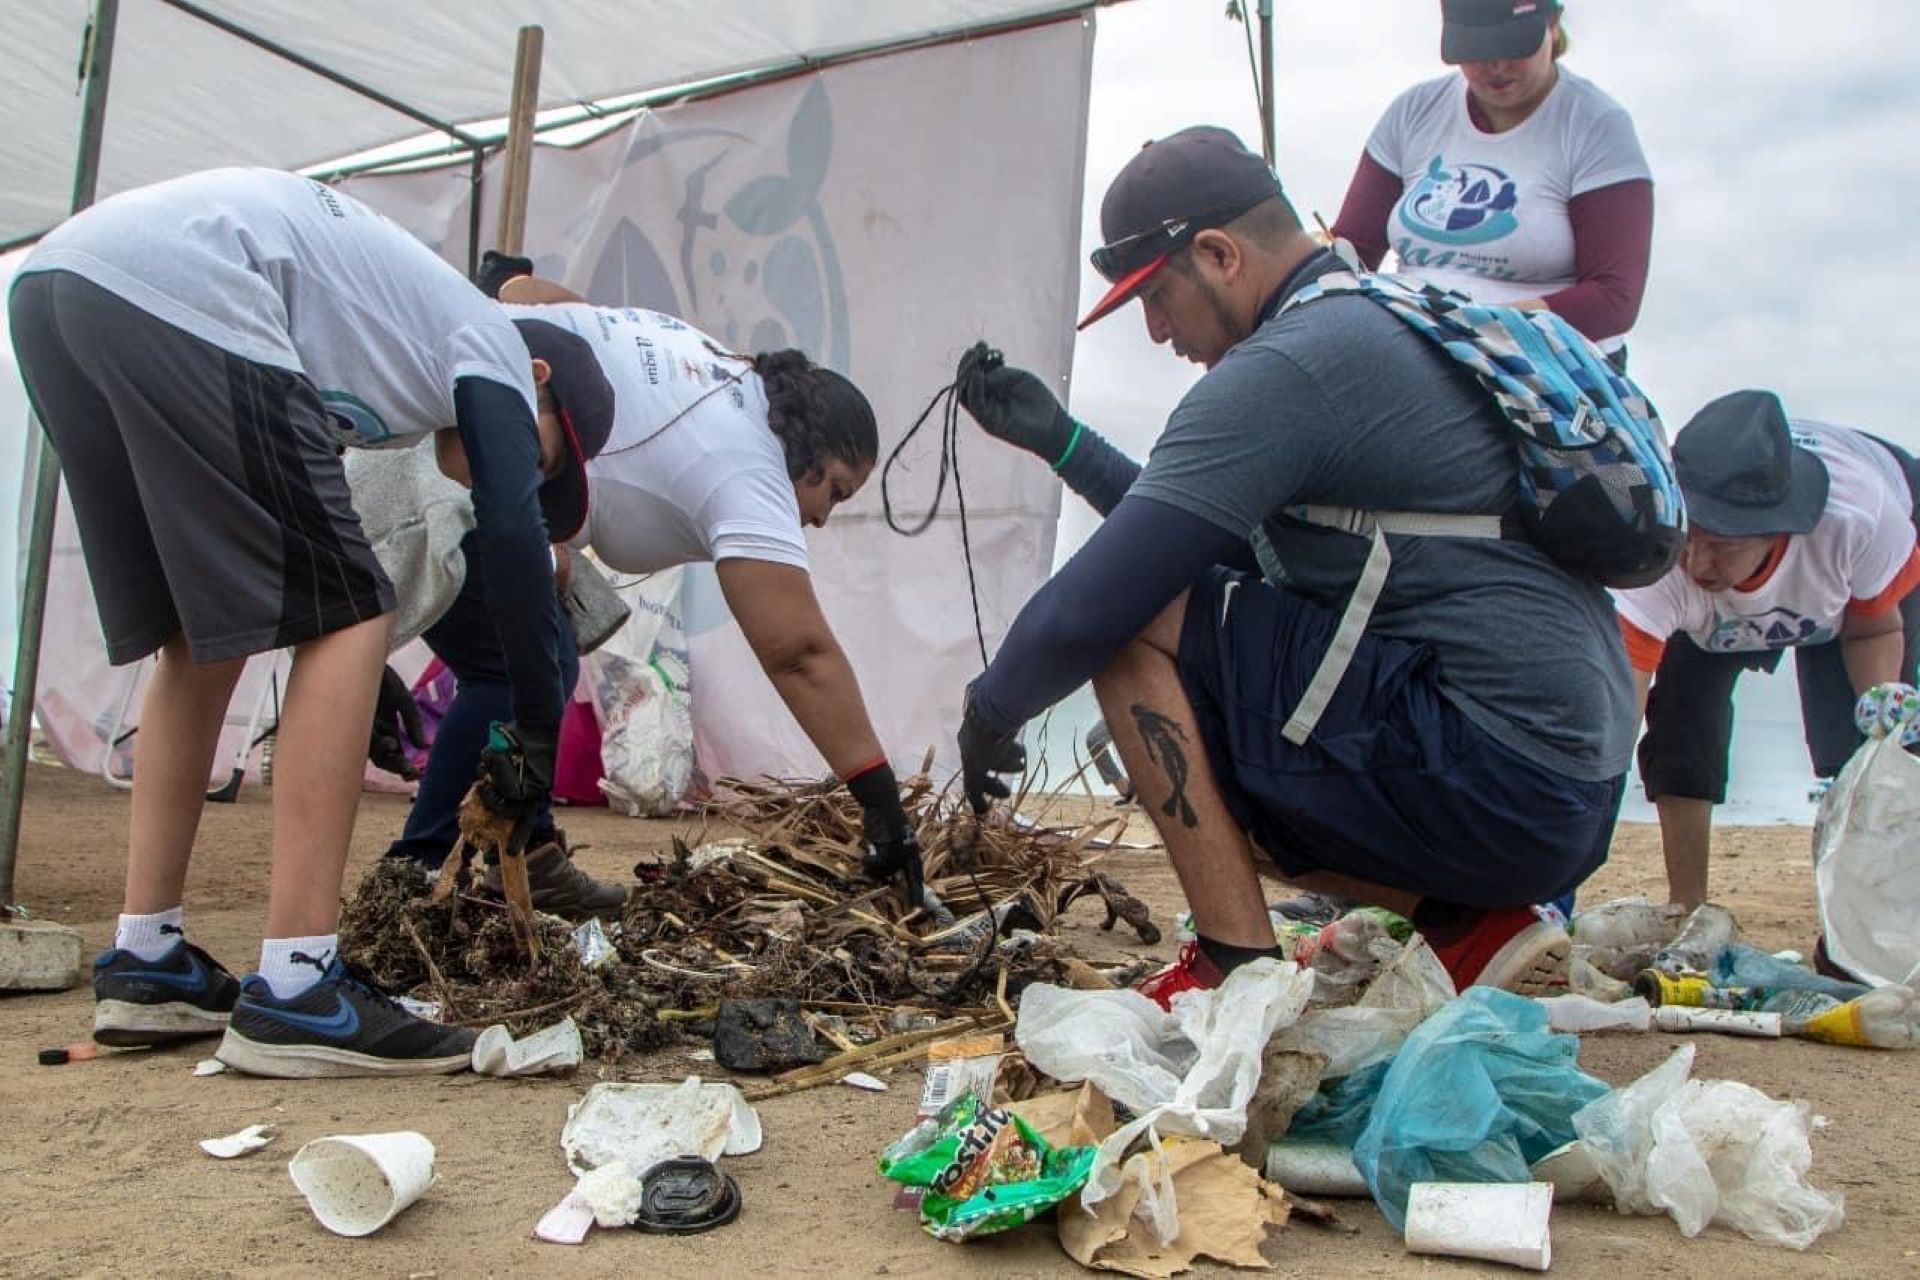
[[1486, 213], [1862, 549], [287, 272], [691, 472]]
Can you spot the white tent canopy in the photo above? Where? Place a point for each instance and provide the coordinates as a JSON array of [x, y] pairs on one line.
[[188, 94]]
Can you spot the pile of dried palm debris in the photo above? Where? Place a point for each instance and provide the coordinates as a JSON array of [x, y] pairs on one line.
[[781, 913]]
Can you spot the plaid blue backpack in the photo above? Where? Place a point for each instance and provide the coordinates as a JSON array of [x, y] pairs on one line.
[[1596, 482]]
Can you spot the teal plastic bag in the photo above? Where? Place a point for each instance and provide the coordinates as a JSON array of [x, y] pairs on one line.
[[1478, 1093]]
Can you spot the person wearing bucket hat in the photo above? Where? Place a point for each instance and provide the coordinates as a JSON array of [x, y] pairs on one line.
[[713, 457], [1201, 608], [1801, 536], [201, 352], [1512, 180]]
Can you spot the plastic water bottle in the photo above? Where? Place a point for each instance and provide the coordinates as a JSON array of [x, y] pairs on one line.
[[1699, 943], [1628, 922], [1886, 1018]]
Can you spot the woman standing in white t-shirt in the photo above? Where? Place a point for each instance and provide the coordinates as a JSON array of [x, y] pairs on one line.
[[1513, 181], [713, 457]]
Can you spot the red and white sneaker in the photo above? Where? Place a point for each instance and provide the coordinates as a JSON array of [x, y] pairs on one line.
[[1193, 971], [1517, 949]]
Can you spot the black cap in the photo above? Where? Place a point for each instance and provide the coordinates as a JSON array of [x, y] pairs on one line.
[[1741, 473], [1493, 30], [1187, 182], [584, 399]]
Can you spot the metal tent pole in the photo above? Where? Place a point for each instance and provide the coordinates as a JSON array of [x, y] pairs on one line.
[[1266, 81], [96, 64]]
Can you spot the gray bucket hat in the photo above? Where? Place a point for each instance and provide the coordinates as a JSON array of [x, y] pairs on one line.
[[1741, 473]]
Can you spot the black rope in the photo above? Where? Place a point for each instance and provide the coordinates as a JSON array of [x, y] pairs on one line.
[[979, 360]]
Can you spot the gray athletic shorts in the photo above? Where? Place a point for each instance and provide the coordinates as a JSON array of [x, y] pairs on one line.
[[208, 489]]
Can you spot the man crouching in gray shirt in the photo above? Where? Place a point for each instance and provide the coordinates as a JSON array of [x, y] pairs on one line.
[[1470, 761]]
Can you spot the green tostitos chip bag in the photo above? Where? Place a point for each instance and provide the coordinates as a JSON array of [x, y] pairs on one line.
[[984, 1169]]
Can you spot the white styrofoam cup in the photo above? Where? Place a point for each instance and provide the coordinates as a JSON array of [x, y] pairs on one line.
[[358, 1183], [1495, 1221]]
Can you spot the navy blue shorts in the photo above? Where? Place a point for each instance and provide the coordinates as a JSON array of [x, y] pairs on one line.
[[1395, 787]]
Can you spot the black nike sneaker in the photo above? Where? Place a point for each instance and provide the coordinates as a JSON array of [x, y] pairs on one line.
[[183, 994], [344, 1025]]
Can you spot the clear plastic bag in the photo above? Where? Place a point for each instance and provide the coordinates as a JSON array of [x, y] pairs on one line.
[[1191, 1071], [1478, 1093], [1709, 1151], [1866, 849]]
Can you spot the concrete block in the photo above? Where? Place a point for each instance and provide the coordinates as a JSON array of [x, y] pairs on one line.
[[38, 955]]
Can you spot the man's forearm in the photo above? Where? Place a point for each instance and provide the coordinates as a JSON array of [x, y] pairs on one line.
[[1096, 470]]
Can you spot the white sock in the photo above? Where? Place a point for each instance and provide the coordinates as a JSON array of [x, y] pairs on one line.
[[150, 936], [291, 965]]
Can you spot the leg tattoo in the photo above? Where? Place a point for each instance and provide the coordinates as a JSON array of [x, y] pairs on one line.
[[1163, 739]]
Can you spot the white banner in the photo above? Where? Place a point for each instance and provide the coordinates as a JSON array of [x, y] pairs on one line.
[[881, 215]]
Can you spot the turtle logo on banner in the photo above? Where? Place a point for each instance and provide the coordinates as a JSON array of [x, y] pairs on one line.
[[751, 259]]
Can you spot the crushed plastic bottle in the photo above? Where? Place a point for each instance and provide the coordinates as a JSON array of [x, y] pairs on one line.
[[1584, 978], [1699, 943], [1628, 922]]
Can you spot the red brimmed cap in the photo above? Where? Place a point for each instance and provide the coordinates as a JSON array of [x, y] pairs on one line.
[[1188, 182], [584, 399]]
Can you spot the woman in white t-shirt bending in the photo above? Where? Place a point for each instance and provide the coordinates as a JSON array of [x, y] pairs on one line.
[[1802, 537], [1513, 181], [721, 457]]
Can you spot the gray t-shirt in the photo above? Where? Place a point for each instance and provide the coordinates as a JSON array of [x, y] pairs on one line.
[[1339, 403]]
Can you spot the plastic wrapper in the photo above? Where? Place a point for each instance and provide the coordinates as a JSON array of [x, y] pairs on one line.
[[1709, 1151], [984, 1169]]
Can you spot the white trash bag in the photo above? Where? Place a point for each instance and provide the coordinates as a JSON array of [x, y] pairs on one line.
[[1708, 1151], [642, 695], [1191, 1071], [1866, 852]]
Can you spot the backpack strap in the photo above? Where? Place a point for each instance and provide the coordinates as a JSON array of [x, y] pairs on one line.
[[1374, 526]]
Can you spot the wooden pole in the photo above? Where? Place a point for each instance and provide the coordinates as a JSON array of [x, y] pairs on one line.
[[510, 236]]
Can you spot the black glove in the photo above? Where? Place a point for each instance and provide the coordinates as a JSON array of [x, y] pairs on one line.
[[891, 847], [497, 268], [396, 723], [1012, 404], [985, 752], [516, 770]]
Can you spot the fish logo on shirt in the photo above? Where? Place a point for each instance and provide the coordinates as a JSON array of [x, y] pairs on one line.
[[1777, 628], [356, 424], [1461, 204]]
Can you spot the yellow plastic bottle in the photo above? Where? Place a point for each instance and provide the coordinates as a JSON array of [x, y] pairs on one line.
[[1887, 1018]]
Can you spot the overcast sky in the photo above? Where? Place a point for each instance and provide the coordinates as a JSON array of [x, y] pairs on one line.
[[1780, 140]]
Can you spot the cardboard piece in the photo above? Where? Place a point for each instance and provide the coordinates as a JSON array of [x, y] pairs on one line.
[[1225, 1207], [1225, 1210]]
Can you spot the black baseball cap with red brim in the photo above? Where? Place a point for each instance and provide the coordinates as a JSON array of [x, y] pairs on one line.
[[1187, 182], [584, 398]]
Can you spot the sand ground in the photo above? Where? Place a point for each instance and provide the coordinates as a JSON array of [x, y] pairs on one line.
[[100, 1175]]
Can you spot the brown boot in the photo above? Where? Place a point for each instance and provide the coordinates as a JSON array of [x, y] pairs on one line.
[[562, 889]]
